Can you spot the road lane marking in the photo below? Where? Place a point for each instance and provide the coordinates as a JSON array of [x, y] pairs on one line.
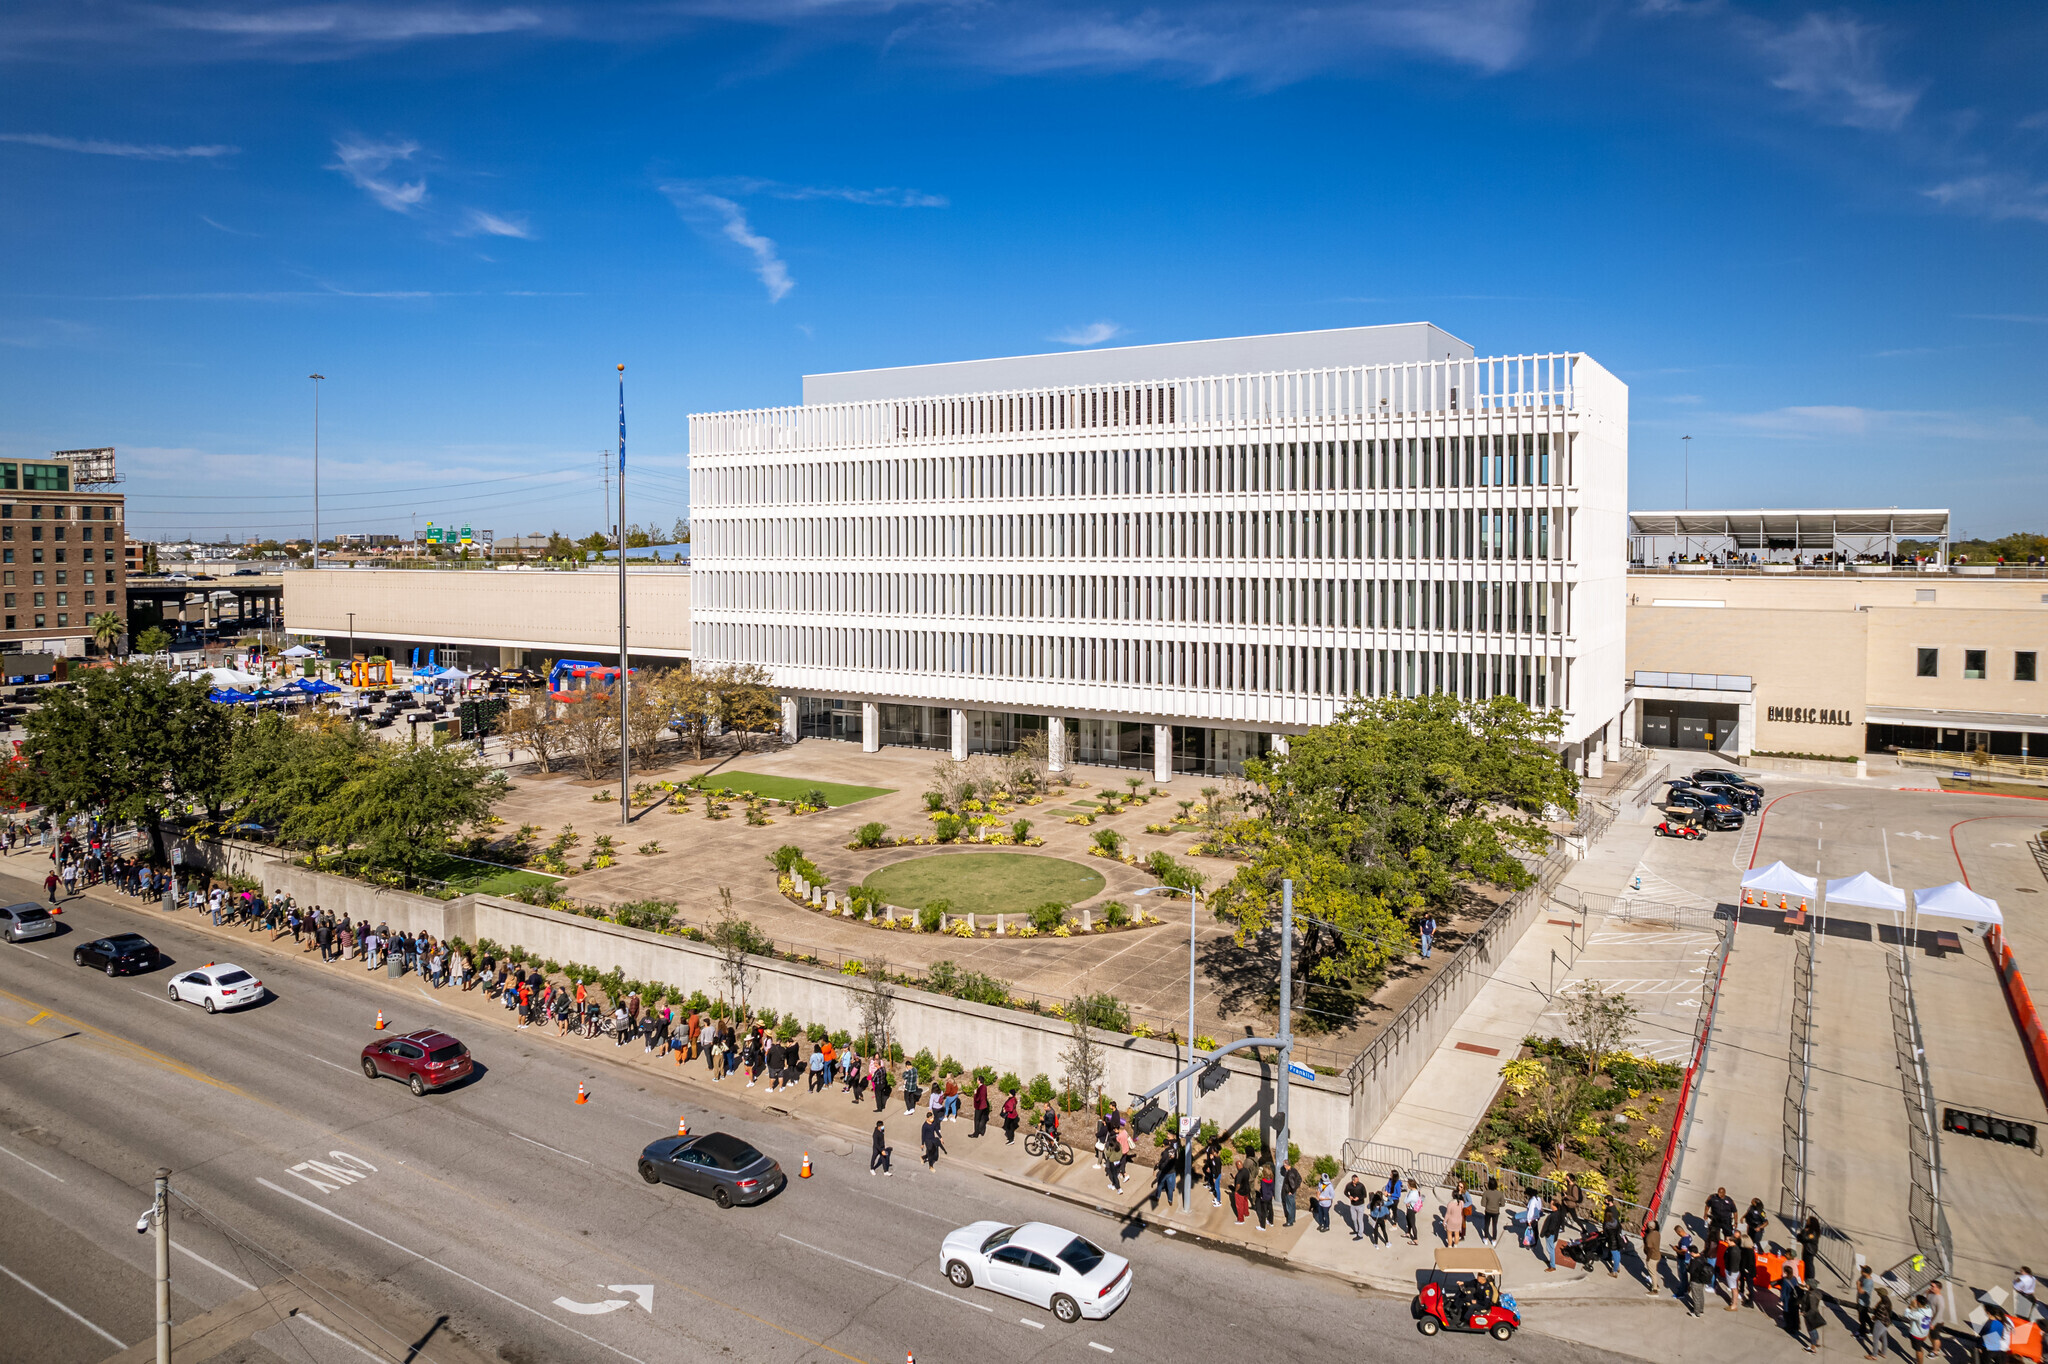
[[545, 1147], [298, 1314], [1034, 1325], [33, 1166], [1098, 1345], [33, 953], [229, 1275], [903, 1207], [161, 999], [336, 1064], [643, 1293], [350, 1169], [427, 1259], [979, 1307], [104, 1335]]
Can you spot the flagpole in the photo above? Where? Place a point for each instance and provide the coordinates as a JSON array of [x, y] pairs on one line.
[[625, 672]]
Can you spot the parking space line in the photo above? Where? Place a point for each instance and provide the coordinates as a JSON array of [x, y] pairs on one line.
[[336, 1064], [33, 953], [456, 1273], [544, 1146], [979, 1307], [1098, 1345], [33, 1166], [102, 1334]]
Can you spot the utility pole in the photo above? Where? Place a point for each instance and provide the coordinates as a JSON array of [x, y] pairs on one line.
[[1286, 1014], [160, 1213], [625, 672], [1187, 1108], [1688, 472], [316, 378]]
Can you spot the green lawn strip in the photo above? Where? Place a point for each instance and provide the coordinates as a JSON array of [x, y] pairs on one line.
[[790, 788], [985, 882], [1993, 788], [483, 877]]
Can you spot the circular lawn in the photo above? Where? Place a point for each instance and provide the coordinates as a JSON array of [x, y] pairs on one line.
[[985, 882]]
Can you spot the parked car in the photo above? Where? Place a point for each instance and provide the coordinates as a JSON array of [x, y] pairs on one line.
[[217, 985], [424, 1059], [1711, 811], [1039, 1263], [718, 1165], [1726, 777], [1741, 797], [24, 921], [122, 952]]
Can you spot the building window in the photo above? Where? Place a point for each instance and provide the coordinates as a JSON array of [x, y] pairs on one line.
[[10, 622], [2023, 667], [39, 599], [1930, 663], [37, 575], [63, 599], [35, 513], [88, 599], [62, 620], [35, 532], [1973, 664], [39, 622], [46, 478]]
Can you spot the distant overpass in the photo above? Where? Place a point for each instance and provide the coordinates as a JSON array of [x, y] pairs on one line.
[[257, 601]]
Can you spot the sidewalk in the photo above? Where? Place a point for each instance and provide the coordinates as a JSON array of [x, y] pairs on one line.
[[1656, 1327]]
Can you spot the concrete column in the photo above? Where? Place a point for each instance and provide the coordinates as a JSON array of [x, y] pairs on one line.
[[1610, 739], [507, 657], [1595, 757], [1627, 722], [1055, 743], [1162, 754], [959, 735], [1280, 744], [1745, 726], [789, 717], [870, 727]]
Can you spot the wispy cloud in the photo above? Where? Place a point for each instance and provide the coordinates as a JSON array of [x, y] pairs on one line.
[[744, 187], [352, 23], [727, 219], [491, 225], [364, 163], [1094, 334], [1835, 63], [35, 333], [1866, 423], [1995, 195], [223, 227], [2036, 319], [141, 151]]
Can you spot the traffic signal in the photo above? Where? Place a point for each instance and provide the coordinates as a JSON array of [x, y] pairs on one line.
[[1148, 1117], [1963, 1123], [1212, 1077]]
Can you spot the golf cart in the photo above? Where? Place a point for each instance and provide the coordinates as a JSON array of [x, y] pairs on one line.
[[1680, 823], [1464, 1293]]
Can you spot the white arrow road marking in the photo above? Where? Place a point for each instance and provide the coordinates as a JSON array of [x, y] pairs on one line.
[[643, 1293], [2005, 845], [1916, 835]]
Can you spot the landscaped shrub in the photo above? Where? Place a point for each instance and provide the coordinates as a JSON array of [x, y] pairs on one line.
[[1041, 1089], [1010, 1084], [785, 858], [1048, 916], [870, 834], [1247, 1140], [655, 916], [1326, 1165], [934, 801], [946, 828], [985, 1075], [1020, 829], [787, 1029], [815, 798], [1116, 914], [928, 917], [1102, 1010], [982, 989], [949, 1067], [1109, 841], [927, 1064]]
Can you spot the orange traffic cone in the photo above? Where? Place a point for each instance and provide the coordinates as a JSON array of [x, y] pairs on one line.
[[1781, 902], [1802, 906], [682, 1126], [1749, 897], [379, 1024], [582, 1095], [805, 1171]]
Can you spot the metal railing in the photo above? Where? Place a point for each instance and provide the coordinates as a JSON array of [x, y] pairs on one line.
[[1923, 1132], [1799, 1080], [1374, 1160]]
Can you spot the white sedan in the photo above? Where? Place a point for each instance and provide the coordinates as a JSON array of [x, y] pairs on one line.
[[1039, 1263], [216, 985]]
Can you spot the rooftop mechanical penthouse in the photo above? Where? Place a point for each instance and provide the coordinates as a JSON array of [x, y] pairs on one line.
[[1182, 553]]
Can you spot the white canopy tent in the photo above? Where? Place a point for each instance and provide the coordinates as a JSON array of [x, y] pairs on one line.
[[1780, 879], [1867, 892], [298, 651], [233, 679], [1957, 901]]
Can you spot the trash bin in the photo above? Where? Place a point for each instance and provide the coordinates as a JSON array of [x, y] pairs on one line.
[[394, 965]]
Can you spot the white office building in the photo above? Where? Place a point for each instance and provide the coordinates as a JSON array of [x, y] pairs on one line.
[[1180, 553]]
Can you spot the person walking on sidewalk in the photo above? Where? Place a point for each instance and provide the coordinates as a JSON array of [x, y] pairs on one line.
[[880, 1159], [1411, 1208], [981, 1106], [1920, 1328], [50, 888], [1010, 1119], [1653, 1256], [1879, 1346], [820, 1065], [1428, 934], [882, 1084], [910, 1090], [933, 1142], [1756, 1222], [1241, 1188], [1699, 1274], [1166, 1175], [1262, 1198], [1325, 1199], [1491, 1201], [1354, 1194], [1290, 1188], [1212, 1172], [1553, 1223]]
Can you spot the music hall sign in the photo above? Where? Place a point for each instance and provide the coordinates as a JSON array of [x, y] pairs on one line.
[[1807, 715]]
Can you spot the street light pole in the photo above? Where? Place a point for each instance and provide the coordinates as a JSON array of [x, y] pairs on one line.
[[316, 378], [1688, 472], [1286, 1013], [1187, 1095], [160, 1214], [625, 671]]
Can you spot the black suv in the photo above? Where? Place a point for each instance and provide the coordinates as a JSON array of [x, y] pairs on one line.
[[1741, 797], [1724, 777], [1714, 812]]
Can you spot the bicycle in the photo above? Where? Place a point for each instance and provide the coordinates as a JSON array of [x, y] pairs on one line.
[[1042, 1143]]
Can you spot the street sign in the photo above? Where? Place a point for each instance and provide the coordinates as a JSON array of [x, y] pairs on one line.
[[1960, 776], [1300, 1071]]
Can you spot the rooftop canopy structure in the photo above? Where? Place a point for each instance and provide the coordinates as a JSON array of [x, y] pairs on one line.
[[1819, 530]]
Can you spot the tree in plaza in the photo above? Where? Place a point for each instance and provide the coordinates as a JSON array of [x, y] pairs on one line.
[[692, 705], [537, 728], [1398, 807], [153, 640], [647, 714], [747, 700], [130, 741], [591, 725], [1081, 1064], [404, 805], [107, 628], [736, 940], [875, 1000], [1596, 1022], [286, 772]]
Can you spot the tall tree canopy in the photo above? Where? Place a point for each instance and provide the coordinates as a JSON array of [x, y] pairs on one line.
[[1396, 807], [127, 740]]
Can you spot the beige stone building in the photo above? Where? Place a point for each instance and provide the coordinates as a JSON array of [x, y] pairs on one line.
[[1827, 661]]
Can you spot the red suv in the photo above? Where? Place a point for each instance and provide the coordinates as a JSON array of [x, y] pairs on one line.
[[427, 1059]]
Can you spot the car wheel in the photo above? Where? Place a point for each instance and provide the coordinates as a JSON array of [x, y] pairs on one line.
[[722, 1196], [960, 1274], [417, 1086], [110, 970], [172, 991], [1065, 1308], [649, 1173], [209, 1004], [369, 1069], [1500, 1330], [1428, 1325], [78, 958]]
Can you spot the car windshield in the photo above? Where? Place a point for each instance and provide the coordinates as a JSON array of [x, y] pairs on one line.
[[1082, 1255], [447, 1053], [234, 978], [1000, 1237]]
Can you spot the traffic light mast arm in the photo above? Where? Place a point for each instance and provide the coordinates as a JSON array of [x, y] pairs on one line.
[[1203, 1064]]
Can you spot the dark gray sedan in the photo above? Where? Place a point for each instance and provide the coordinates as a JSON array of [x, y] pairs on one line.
[[720, 1166], [122, 952]]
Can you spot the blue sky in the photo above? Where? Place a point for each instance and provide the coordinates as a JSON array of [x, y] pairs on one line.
[[1814, 239]]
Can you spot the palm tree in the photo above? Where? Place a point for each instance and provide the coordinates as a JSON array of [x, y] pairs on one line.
[[107, 628]]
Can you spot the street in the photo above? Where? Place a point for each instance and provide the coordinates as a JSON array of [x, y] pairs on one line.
[[501, 1220]]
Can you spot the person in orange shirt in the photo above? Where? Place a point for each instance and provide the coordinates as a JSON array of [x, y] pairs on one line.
[[821, 1074]]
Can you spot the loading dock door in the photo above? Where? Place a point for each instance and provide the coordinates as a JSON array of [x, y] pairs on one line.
[[1657, 731], [1694, 732]]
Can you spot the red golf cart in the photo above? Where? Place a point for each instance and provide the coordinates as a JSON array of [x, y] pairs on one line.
[[1464, 1293]]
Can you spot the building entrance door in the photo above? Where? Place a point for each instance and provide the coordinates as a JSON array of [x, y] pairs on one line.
[[1975, 739], [1694, 732], [1657, 731]]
